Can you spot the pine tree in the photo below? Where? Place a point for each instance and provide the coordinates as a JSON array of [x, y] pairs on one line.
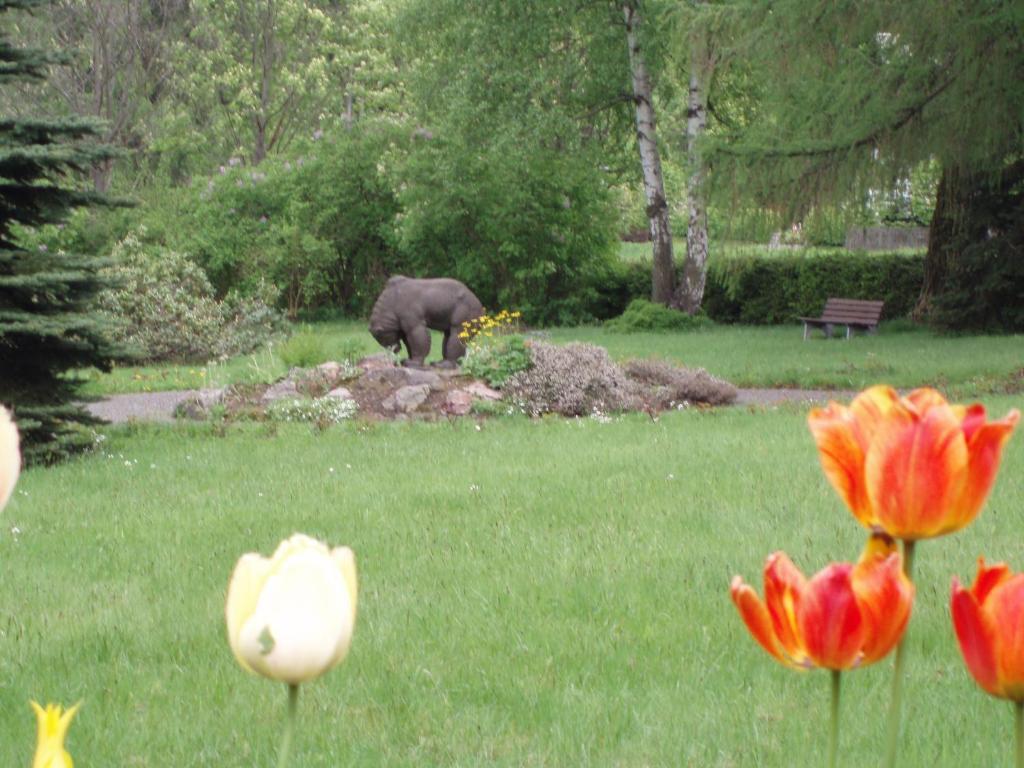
[[48, 327]]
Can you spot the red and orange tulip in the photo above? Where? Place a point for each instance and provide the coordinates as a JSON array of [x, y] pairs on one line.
[[989, 623], [845, 616], [915, 466]]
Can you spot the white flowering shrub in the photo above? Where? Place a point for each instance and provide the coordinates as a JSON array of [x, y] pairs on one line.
[[319, 410], [167, 310]]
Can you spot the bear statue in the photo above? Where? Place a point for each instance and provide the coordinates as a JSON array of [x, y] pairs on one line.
[[408, 307]]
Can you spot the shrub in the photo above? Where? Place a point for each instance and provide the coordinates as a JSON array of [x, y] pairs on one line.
[[669, 386], [521, 222], [759, 289], [643, 315], [166, 309], [495, 351], [318, 224], [571, 380], [303, 350]]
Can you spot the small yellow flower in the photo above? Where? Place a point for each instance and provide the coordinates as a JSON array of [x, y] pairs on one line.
[[53, 723]]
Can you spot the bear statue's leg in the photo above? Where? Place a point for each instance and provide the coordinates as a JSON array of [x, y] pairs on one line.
[[454, 348], [417, 342]]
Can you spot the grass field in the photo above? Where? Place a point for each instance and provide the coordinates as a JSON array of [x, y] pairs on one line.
[[533, 593], [748, 356]]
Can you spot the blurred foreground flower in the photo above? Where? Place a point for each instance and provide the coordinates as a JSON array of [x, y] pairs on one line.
[[844, 617], [52, 728], [988, 619], [291, 617], [10, 458], [915, 466]]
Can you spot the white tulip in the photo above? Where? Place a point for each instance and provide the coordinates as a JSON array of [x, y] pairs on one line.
[[291, 617]]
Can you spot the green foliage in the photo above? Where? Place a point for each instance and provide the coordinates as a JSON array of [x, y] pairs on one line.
[[776, 289], [496, 360], [317, 225], [521, 224], [303, 350], [165, 309], [644, 315]]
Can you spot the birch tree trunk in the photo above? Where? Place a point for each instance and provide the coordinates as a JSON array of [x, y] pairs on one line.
[[650, 160], [690, 293]]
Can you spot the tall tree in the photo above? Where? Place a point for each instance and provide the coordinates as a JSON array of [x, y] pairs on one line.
[[47, 322], [663, 271], [856, 95]]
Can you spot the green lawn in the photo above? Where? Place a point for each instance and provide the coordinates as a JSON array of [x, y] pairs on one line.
[[533, 593], [748, 356]]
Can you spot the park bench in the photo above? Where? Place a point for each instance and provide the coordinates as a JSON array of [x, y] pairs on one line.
[[853, 313]]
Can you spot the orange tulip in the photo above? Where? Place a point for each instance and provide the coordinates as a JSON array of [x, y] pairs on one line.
[[914, 466], [845, 616], [989, 623]]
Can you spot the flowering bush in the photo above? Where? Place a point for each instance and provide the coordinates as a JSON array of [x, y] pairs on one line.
[[495, 350], [671, 386], [574, 380], [330, 410], [168, 311]]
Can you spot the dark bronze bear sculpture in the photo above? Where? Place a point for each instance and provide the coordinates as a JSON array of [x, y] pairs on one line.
[[408, 307]]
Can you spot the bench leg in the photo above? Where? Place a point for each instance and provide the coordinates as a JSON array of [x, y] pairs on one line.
[[828, 330], [848, 332], [805, 331]]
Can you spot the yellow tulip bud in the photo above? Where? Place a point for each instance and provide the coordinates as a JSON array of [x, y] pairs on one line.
[[10, 458], [291, 617], [52, 728]]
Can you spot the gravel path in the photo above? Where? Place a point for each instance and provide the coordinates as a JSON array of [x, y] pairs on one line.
[[159, 406]]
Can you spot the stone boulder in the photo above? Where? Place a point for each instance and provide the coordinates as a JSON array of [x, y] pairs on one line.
[[406, 399]]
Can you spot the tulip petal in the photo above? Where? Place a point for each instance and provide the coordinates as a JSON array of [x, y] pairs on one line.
[[975, 638], [783, 586], [10, 458], [984, 448], [870, 410], [885, 596], [1003, 612], [915, 473], [842, 456], [247, 581], [755, 615], [304, 611], [829, 619]]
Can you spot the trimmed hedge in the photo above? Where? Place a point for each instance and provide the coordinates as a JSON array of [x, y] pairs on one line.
[[764, 289]]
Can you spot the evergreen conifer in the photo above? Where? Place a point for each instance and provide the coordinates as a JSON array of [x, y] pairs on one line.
[[48, 326]]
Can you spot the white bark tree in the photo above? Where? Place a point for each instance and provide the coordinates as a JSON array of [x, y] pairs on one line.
[[650, 161]]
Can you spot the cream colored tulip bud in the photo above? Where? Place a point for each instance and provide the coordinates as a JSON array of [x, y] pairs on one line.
[[10, 457], [290, 617]]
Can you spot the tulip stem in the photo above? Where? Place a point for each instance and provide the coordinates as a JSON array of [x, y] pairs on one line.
[[833, 736], [1018, 718], [896, 700], [289, 726]]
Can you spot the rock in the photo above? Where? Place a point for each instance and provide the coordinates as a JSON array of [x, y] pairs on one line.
[[197, 407], [330, 371], [280, 390], [458, 402], [403, 377], [406, 399], [377, 361], [340, 393], [480, 390]]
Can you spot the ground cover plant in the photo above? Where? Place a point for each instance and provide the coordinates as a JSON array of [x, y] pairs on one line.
[[561, 599], [900, 354]]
